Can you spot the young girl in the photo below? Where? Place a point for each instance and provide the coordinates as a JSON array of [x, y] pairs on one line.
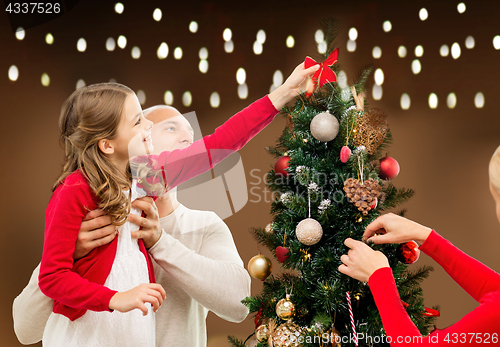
[[100, 125], [481, 326]]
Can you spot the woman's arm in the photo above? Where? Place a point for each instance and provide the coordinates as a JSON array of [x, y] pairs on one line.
[[473, 276], [480, 325], [477, 280]]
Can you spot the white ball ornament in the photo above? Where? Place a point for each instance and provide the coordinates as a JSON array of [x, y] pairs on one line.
[[324, 127], [309, 231]]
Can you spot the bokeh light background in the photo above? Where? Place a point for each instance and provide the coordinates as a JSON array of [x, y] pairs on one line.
[[435, 74]]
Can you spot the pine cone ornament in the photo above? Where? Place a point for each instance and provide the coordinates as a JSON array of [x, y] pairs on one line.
[[363, 194]]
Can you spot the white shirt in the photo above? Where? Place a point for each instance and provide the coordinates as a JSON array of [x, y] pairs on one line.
[[196, 262], [107, 329]]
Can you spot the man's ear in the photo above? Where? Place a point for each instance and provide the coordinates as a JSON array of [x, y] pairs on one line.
[[106, 146]]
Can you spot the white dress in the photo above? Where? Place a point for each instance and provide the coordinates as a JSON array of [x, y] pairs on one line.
[[108, 329]]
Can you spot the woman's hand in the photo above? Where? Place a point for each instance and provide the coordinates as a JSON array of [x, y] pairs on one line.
[[137, 298], [295, 84], [391, 228], [151, 228], [361, 261], [96, 230]]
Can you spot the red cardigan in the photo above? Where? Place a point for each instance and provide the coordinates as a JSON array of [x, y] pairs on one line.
[[481, 326], [77, 286]]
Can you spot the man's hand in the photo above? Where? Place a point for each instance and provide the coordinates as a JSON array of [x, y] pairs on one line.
[[96, 230], [151, 228]]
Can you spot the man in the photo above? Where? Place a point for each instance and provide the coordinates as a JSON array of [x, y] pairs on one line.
[[194, 255]]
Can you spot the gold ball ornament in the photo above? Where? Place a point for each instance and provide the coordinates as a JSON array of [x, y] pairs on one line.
[[335, 337], [285, 309], [324, 127], [287, 335], [260, 267], [262, 333], [309, 231]]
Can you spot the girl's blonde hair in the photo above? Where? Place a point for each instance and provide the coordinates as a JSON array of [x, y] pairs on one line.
[[90, 114], [494, 170]]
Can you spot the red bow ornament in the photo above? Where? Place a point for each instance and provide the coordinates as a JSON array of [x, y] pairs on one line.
[[324, 74]]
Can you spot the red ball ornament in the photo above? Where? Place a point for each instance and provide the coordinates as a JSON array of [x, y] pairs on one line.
[[389, 168], [281, 165], [282, 253], [258, 318], [408, 253], [345, 154]]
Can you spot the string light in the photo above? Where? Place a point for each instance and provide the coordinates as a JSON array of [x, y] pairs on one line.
[[157, 14], [214, 100], [187, 99], [20, 33], [405, 101], [136, 52], [45, 80], [423, 14], [168, 97], [122, 41], [81, 45], [49, 39], [402, 51], [419, 51], [451, 100], [387, 26], [433, 101], [141, 95], [229, 46], [227, 34], [110, 44], [444, 50], [162, 51], [80, 83], [416, 67], [13, 73], [353, 34], [377, 52], [242, 91], [193, 27], [119, 8]]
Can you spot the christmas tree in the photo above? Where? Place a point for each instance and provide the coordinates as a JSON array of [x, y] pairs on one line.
[[333, 179]]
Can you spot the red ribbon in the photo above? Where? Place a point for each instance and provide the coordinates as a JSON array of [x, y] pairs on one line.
[[324, 74], [429, 312]]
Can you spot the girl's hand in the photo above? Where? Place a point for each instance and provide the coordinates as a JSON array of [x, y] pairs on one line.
[[96, 230], [395, 229], [361, 261], [137, 298], [151, 228], [295, 84]]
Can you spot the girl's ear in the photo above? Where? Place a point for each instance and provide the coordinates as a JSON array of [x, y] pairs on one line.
[[106, 146]]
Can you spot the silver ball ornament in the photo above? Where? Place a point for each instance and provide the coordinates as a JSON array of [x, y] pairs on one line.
[[324, 127], [309, 231]]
